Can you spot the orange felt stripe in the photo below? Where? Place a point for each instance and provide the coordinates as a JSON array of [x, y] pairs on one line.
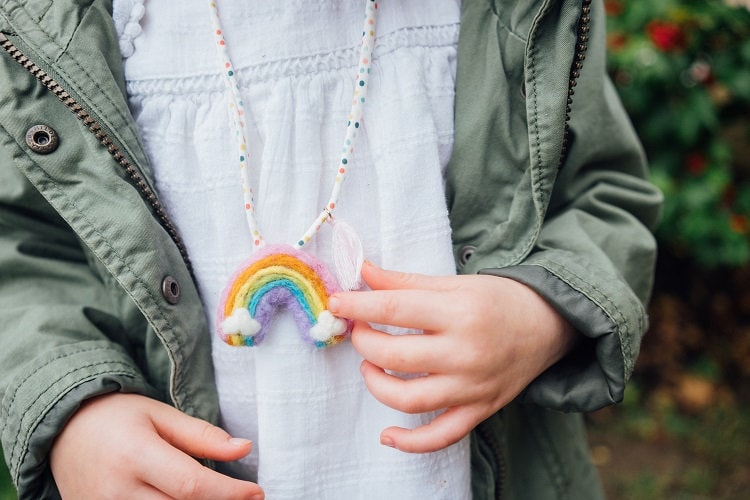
[[281, 261], [247, 291]]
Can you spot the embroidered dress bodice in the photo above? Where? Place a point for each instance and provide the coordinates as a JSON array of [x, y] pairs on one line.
[[314, 426]]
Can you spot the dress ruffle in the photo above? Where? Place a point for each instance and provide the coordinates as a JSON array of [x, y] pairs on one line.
[[127, 15]]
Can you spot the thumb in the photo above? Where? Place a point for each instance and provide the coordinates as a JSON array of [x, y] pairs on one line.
[[198, 438], [381, 279]]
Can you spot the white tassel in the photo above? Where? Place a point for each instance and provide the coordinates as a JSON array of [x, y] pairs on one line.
[[348, 255]]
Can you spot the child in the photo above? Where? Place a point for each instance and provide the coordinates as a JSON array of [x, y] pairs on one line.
[[114, 360]]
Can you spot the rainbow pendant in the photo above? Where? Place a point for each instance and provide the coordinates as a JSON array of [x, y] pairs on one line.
[[280, 276]]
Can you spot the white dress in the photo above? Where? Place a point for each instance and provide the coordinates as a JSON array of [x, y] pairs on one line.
[[314, 426]]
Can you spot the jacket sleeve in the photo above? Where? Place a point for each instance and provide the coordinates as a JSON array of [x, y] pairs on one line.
[[595, 255], [59, 329], [590, 253]]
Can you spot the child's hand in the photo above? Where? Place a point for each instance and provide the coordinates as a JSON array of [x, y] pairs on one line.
[[486, 338], [130, 446]]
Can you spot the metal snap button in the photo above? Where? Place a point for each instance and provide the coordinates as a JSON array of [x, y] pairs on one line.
[[42, 139], [170, 289], [465, 253]]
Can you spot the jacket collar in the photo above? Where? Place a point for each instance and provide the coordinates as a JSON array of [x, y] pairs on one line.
[[76, 44]]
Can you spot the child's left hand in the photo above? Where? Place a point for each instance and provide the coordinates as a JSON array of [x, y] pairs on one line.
[[485, 339]]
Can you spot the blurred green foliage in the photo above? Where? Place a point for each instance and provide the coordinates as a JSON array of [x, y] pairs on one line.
[[7, 491], [650, 449], [682, 69]]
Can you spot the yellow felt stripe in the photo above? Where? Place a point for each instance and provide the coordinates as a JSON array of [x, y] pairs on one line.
[[283, 265], [248, 289]]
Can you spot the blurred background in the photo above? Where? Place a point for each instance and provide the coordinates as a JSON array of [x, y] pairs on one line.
[[683, 71]]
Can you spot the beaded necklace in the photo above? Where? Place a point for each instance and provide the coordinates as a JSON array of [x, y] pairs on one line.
[[284, 276]]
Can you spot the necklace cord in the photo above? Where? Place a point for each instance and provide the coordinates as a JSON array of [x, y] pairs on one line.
[[354, 122]]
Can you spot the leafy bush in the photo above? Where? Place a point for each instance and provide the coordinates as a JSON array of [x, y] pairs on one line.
[[683, 71]]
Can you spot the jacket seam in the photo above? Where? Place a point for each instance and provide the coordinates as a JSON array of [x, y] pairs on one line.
[[535, 101], [60, 70], [507, 28], [95, 81], [103, 240], [127, 372], [72, 35], [44, 14], [38, 24], [535, 169], [21, 449], [18, 388], [615, 315], [156, 313], [533, 49]]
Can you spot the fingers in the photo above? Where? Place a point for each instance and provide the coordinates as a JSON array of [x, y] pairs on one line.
[[127, 444], [483, 345], [182, 437], [417, 395], [403, 353], [422, 395], [420, 309], [445, 430], [381, 279], [180, 476], [398, 299], [196, 437]]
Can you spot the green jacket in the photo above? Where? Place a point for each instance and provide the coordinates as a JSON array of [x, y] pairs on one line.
[[96, 293]]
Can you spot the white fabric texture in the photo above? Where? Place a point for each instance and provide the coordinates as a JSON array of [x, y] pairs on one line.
[[314, 425]]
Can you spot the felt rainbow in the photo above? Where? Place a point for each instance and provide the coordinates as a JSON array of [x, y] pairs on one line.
[[280, 276]]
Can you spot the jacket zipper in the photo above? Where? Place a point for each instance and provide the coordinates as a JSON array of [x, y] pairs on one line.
[[582, 39], [582, 44], [136, 178], [497, 454]]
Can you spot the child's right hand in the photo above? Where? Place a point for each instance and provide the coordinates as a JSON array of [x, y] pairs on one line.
[[131, 446]]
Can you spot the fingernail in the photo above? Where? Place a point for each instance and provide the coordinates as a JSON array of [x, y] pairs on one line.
[[333, 304], [386, 441], [239, 442]]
